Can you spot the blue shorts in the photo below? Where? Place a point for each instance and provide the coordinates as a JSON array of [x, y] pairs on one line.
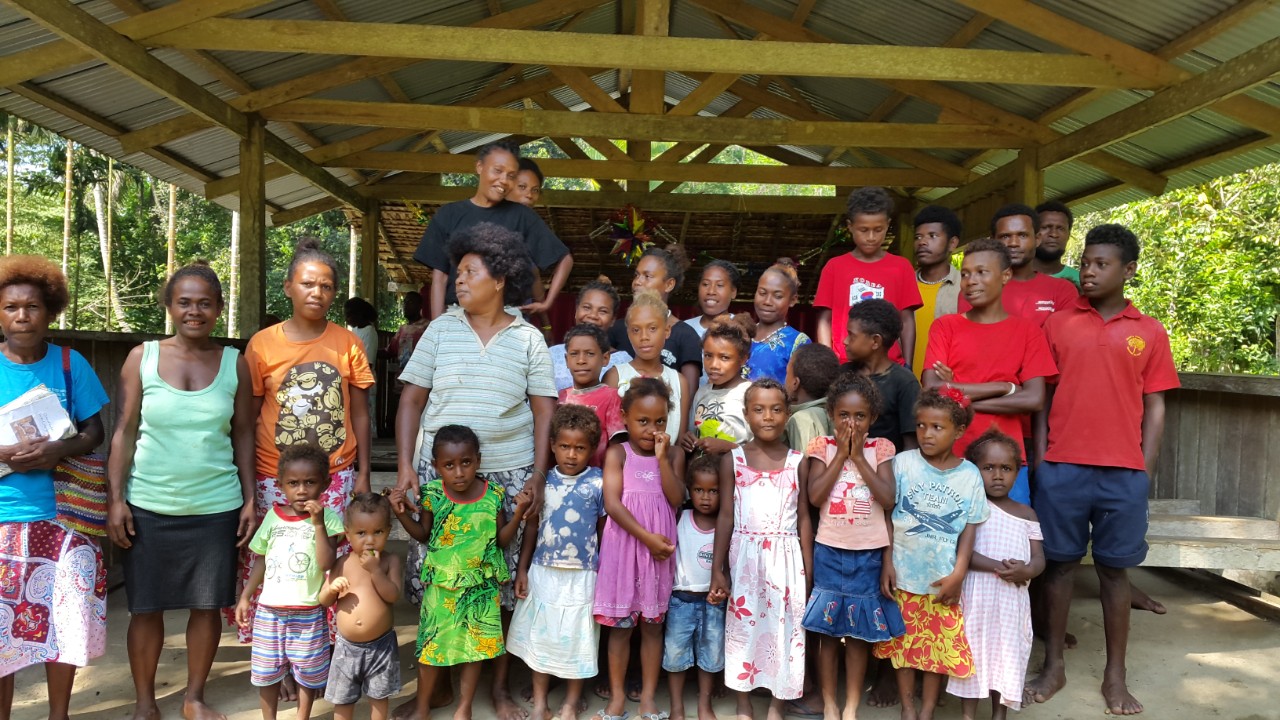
[[695, 628], [1079, 503]]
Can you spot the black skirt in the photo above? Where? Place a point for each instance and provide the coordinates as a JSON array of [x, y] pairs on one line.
[[181, 562]]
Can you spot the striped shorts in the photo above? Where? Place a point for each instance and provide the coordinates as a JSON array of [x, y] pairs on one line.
[[290, 637]]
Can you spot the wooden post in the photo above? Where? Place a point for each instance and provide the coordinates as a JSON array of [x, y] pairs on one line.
[[253, 230], [171, 246], [907, 230], [106, 252], [9, 153], [1028, 184], [233, 302], [369, 251], [353, 260], [68, 207]]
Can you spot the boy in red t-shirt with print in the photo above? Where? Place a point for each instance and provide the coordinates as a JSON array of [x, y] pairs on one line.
[[1097, 451], [999, 360], [1029, 294], [867, 273]]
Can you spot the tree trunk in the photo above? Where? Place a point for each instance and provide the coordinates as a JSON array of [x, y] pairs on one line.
[[102, 210], [171, 241], [9, 152], [68, 218]]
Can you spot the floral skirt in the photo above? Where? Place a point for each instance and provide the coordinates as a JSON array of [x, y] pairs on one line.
[[53, 596], [459, 625], [934, 642]]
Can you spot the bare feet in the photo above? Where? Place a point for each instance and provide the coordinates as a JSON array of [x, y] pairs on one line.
[[850, 712], [407, 710], [1047, 684], [745, 710], [1069, 641], [506, 708], [570, 711], [705, 711], [195, 710], [885, 691], [1119, 700], [776, 710], [1140, 600], [288, 689], [150, 711]]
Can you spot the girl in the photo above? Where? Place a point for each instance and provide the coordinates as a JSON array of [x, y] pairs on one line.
[[938, 503], [178, 515], [641, 492], [718, 422], [775, 340], [460, 622], [597, 305], [662, 270], [648, 329], [717, 288], [311, 383], [847, 606], [997, 607], [763, 553]]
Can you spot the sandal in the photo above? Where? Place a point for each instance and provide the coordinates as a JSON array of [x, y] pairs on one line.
[[602, 715]]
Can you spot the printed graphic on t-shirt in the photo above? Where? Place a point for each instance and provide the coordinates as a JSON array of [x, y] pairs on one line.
[[668, 358], [310, 399], [1135, 345], [850, 498], [863, 289], [293, 562], [1045, 305], [923, 503], [706, 555]]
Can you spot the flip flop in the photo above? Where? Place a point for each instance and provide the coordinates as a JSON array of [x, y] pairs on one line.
[[602, 715], [656, 716], [797, 708]]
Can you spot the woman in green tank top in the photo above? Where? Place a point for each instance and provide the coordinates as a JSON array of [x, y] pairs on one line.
[[181, 484]]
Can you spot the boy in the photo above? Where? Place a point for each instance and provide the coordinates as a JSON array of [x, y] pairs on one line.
[[552, 629], [586, 354], [365, 585], [998, 359], [812, 369], [1029, 294], [937, 237], [695, 618], [1055, 231], [1098, 450], [299, 543], [867, 273], [597, 305], [873, 327]]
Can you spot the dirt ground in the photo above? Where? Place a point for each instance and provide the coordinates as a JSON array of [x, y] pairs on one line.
[[1204, 659]]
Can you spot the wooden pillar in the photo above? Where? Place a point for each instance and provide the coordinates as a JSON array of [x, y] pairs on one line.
[[648, 87], [171, 247], [253, 230], [233, 295], [369, 251], [353, 260], [907, 230], [1028, 183]]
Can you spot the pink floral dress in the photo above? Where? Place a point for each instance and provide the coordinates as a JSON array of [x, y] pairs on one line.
[[763, 638]]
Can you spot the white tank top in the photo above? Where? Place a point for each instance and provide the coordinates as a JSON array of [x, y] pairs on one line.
[[695, 552], [675, 426]]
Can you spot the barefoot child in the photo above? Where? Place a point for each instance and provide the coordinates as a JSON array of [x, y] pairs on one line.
[[587, 352], [939, 502], [847, 606], [298, 541], [997, 606], [718, 422], [364, 584], [763, 556], [462, 527], [695, 620], [552, 629], [641, 492]]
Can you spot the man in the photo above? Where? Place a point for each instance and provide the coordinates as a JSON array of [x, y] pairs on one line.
[[1055, 231], [1031, 295], [497, 165], [937, 237]]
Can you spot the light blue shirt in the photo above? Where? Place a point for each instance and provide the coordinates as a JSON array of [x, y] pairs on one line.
[[571, 508], [560, 365], [933, 508]]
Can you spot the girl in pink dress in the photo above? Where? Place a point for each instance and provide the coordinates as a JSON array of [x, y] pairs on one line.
[[997, 606], [637, 570], [763, 555]]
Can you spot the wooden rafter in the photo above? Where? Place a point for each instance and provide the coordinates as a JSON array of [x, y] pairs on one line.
[[679, 202], [484, 44], [648, 87]]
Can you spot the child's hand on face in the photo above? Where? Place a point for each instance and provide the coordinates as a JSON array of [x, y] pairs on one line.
[[844, 440], [661, 444], [370, 562], [949, 588], [1014, 571], [341, 586], [315, 510], [659, 546]]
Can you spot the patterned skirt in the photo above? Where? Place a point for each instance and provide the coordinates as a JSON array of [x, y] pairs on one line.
[[53, 596], [459, 625], [934, 642]]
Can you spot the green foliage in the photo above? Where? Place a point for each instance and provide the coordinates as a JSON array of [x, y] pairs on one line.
[[1210, 269]]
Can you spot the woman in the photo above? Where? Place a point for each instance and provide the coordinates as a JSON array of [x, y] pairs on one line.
[[181, 477], [54, 601], [482, 365]]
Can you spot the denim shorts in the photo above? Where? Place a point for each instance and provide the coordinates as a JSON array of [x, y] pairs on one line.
[[695, 629], [1080, 503]]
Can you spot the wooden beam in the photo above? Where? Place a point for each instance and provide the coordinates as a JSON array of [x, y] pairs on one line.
[[991, 183], [682, 172], [650, 127], [1232, 17], [59, 54], [229, 185], [604, 146], [1028, 178], [587, 89], [315, 207], [252, 269], [648, 87], [436, 42], [702, 157], [962, 37], [532, 15], [369, 249], [1234, 76], [676, 202]]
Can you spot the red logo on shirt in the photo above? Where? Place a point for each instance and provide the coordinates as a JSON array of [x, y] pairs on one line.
[[1136, 345]]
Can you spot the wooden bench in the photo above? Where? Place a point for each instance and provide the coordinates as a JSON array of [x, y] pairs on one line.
[[1182, 538]]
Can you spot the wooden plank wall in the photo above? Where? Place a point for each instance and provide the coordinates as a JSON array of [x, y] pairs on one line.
[[1222, 445]]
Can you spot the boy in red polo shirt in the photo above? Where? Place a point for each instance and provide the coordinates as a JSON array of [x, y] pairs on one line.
[[1029, 294], [867, 273], [1097, 451], [998, 359]]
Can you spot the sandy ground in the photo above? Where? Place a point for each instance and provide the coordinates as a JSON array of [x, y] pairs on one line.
[[1204, 659]]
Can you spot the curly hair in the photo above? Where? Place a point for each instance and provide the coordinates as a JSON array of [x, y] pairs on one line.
[[1014, 210], [576, 417], [39, 272], [733, 330], [785, 267], [879, 317], [938, 214], [501, 145], [764, 384], [858, 384], [308, 250], [503, 254], [304, 453], [815, 366], [1055, 206], [647, 299], [703, 464], [455, 435], [604, 286], [525, 164], [735, 275], [675, 259], [992, 436], [931, 398], [643, 387], [990, 245], [1117, 235], [198, 269], [869, 201], [369, 503], [589, 331]]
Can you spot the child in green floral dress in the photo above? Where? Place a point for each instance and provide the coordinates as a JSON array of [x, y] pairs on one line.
[[462, 526]]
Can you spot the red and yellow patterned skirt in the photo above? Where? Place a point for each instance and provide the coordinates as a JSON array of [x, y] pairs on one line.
[[934, 642]]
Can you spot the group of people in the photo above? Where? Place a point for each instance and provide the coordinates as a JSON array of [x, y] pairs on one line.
[[747, 499]]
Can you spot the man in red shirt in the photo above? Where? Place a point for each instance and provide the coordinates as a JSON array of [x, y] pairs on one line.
[[1096, 452], [1030, 294]]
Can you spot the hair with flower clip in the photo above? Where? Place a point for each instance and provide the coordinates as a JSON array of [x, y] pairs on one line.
[[953, 392], [950, 400]]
